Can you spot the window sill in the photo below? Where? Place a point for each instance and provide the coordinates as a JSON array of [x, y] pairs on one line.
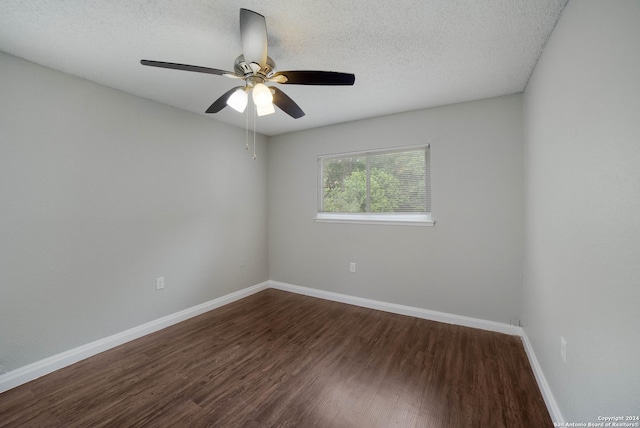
[[384, 219]]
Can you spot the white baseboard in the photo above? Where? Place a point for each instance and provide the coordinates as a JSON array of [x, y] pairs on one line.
[[55, 362], [552, 405], [401, 309]]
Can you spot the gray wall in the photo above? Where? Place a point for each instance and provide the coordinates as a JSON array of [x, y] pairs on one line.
[[469, 263], [102, 192], [582, 275]]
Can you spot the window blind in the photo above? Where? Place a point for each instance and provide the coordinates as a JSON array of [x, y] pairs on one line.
[[389, 181]]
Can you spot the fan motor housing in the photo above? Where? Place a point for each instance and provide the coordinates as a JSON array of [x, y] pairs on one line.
[[243, 68]]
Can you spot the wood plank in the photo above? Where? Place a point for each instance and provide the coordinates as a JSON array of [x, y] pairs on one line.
[[277, 359]]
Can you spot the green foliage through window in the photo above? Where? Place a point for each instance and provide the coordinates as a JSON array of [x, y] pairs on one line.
[[376, 182]]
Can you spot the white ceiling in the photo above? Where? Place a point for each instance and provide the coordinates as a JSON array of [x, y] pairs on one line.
[[406, 54]]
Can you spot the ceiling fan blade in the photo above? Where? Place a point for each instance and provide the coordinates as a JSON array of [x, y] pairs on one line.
[[186, 67], [286, 104], [312, 77], [253, 32], [221, 102]]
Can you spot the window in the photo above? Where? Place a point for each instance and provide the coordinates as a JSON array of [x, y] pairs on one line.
[[381, 186]]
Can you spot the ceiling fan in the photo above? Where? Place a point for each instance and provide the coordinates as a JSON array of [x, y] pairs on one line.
[[256, 69]]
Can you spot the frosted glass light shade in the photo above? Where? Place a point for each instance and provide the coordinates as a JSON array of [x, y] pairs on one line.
[[262, 95], [238, 100], [265, 109]]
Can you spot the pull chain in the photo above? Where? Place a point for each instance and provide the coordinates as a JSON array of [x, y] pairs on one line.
[[246, 137], [254, 134]]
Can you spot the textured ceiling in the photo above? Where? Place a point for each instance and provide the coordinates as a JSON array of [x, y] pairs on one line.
[[406, 54]]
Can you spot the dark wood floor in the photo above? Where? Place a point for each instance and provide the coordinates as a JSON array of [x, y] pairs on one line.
[[277, 359]]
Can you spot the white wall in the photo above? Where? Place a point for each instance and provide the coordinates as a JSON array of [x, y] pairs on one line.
[[100, 193], [469, 263], [582, 274]]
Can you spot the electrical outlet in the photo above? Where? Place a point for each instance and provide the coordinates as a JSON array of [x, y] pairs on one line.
[[159, 283], [352, 267], [563, 349]]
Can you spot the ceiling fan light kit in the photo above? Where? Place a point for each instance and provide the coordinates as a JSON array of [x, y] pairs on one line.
[[238, 100], [261, 95], [264, 110]]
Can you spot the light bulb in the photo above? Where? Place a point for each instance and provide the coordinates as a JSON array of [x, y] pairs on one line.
[[262, 95], [265, 109], [238, 100]]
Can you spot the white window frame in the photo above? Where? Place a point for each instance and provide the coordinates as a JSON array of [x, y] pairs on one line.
[[410, 219]]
